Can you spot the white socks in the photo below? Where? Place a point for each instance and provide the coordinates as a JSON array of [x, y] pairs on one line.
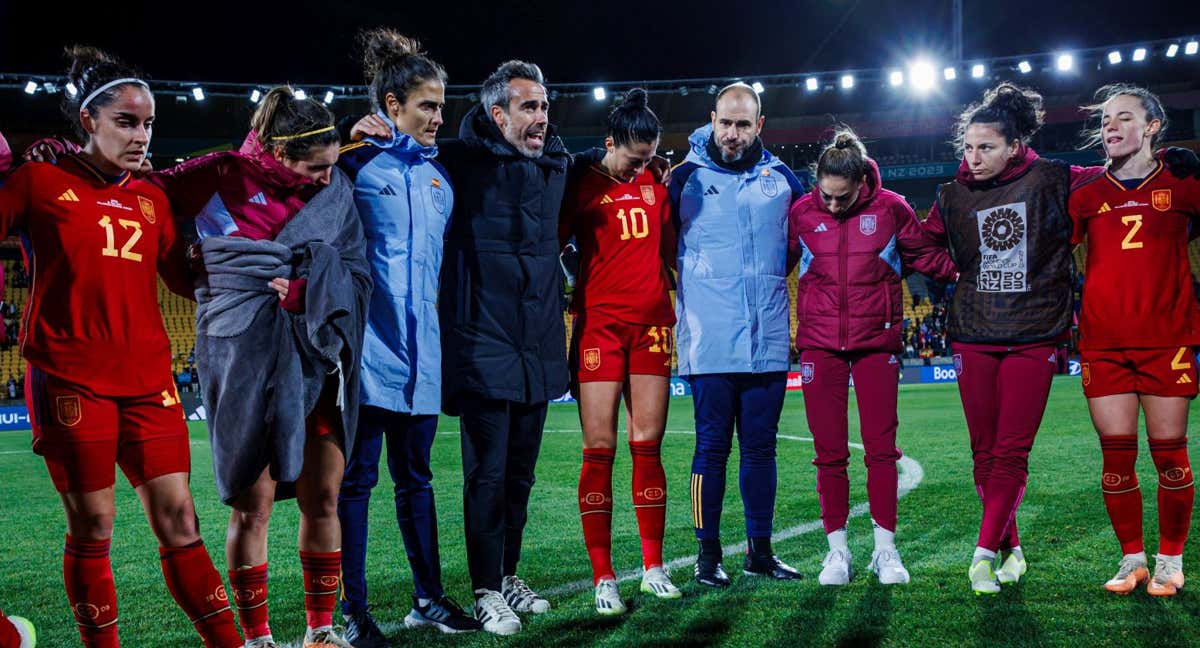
[[837, 540], [983, 554], [884, 539]]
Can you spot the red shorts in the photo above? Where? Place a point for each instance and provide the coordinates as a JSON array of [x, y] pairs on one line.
[[1155, 372], [83, 436], [326, 416], [604, 348]]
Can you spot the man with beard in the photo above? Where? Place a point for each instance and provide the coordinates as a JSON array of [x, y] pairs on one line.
[[731, 199]]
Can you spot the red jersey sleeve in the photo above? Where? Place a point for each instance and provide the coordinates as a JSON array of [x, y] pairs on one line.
[[172, 257], [670, 238], [190, 185], [918, 250], [935, 227], [14, 200]]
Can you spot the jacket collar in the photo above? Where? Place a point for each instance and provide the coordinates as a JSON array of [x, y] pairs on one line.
[[478, 130], [699, 153], [273, 170], [402, 144], [1017, 166]]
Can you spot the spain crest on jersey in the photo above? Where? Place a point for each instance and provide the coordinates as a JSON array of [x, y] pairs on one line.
[[439, 198], [648, 194], [770, 186], [866, 224], [147, 207], [68, 409], [1161, 199], [807, 371], [591, 359], [958, 365]]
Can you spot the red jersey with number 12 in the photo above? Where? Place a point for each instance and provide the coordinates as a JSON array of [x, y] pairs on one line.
[[1137, 291], [621, 230], [98, 245]]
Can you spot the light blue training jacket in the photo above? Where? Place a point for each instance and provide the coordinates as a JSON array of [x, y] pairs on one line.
[[405, 199], [732, 299]]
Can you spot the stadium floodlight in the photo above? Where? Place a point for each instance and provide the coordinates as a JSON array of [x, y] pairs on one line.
[[1191, 48], [950, 73], [1114, 57], [847, 81], [1024, 67], [1172, 50], [1139, 54], [977, 71], [198, 93], [922, 76], [712, 89], [758, 87], [71, 89], [31, 87], [1064, 62], [811, 84], [683, 91], [895, 78], [255, 95], [328, 97], [49, 88], [301, 95], [599, 94]]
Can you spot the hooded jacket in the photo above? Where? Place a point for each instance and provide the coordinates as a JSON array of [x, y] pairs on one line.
[[732, 297], [404, 198], [849, 295], [501, 298]]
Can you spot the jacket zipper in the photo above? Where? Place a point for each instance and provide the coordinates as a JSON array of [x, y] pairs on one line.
[[843, 316]]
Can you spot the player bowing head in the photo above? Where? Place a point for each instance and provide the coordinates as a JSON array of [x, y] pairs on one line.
[[299, 133], [1139, 325], [100, 385], [618, 216]]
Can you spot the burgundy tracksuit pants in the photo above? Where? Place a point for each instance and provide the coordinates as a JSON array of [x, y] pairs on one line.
[[826, 379], [1004, 392]]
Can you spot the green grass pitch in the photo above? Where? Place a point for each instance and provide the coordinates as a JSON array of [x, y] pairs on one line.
[[1065, 533]]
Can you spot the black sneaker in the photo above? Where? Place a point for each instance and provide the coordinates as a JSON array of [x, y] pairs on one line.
[[443, 614], [709, 571], [362, 631]]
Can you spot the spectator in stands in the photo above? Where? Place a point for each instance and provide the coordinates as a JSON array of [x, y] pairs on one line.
[[6, 157], [12, 387], [854, 240], [1005, 220]]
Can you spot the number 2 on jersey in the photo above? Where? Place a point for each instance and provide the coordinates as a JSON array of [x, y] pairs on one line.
[[636, 221], [1135, 223], [126, 251]]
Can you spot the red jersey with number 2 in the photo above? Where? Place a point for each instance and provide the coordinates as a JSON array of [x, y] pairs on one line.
[[1137, 291], [621, 230], [98, 245]]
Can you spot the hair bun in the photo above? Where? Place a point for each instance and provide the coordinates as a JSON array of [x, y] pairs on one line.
[[383, 46], [635, 99]]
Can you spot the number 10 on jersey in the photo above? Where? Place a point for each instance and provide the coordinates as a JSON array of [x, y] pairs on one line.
[[635, 224]]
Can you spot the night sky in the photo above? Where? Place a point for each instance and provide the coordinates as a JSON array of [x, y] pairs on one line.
[[313, 42]]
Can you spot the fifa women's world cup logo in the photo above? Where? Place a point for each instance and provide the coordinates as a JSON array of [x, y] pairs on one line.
[[1003, 258]]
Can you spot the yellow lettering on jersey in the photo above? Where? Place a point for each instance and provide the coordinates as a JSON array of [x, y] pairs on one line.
[[1135, 221], [110, 247], [636, 225], [1180, 363]]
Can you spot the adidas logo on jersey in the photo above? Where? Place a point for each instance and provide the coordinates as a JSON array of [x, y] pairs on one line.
[[821, 228], [387, 191], [606, 200], [711, 191], [258, 199], [1103, 209], [1184, 380], [69, 196]]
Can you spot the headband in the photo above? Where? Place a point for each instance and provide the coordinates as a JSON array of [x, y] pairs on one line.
[[111, 84], [282, 138]]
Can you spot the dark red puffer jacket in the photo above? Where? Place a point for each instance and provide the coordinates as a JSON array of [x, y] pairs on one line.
[[851, 265]]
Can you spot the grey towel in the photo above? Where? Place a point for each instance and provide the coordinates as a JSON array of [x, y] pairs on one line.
[[262, 369]]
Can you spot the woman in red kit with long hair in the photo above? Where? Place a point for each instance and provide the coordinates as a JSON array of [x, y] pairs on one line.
[[619, 217], [1139, 327], [99, 386]]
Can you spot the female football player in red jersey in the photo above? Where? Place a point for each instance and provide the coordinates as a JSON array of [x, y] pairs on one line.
[[853, 240], [278, 359], [1139, 326], [99, 386], [1005, 221], [618, 216]]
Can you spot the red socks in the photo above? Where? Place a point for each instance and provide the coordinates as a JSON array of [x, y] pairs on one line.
[[322, 572], [197, 588], [1122, 494], [249, 587], [649, 499], [88, 576], [595, 509], [8, 633], [1176, 493]]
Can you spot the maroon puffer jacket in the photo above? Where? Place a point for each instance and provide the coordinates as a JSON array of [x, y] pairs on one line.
[[851, 265]]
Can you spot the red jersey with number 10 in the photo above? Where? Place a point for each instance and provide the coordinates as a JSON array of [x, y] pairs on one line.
[[621, 230], [98, 245], [1137, 291]]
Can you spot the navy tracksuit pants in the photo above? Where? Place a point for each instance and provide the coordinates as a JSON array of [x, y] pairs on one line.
[[409, 441], [751, 404]]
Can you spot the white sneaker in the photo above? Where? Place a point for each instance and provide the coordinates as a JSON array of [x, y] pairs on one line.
[[25, 631], [608, 598], [520, 598], [887, 566], [657, 581], [325, 637], [494, 613], [261, 642], [836, 569]]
